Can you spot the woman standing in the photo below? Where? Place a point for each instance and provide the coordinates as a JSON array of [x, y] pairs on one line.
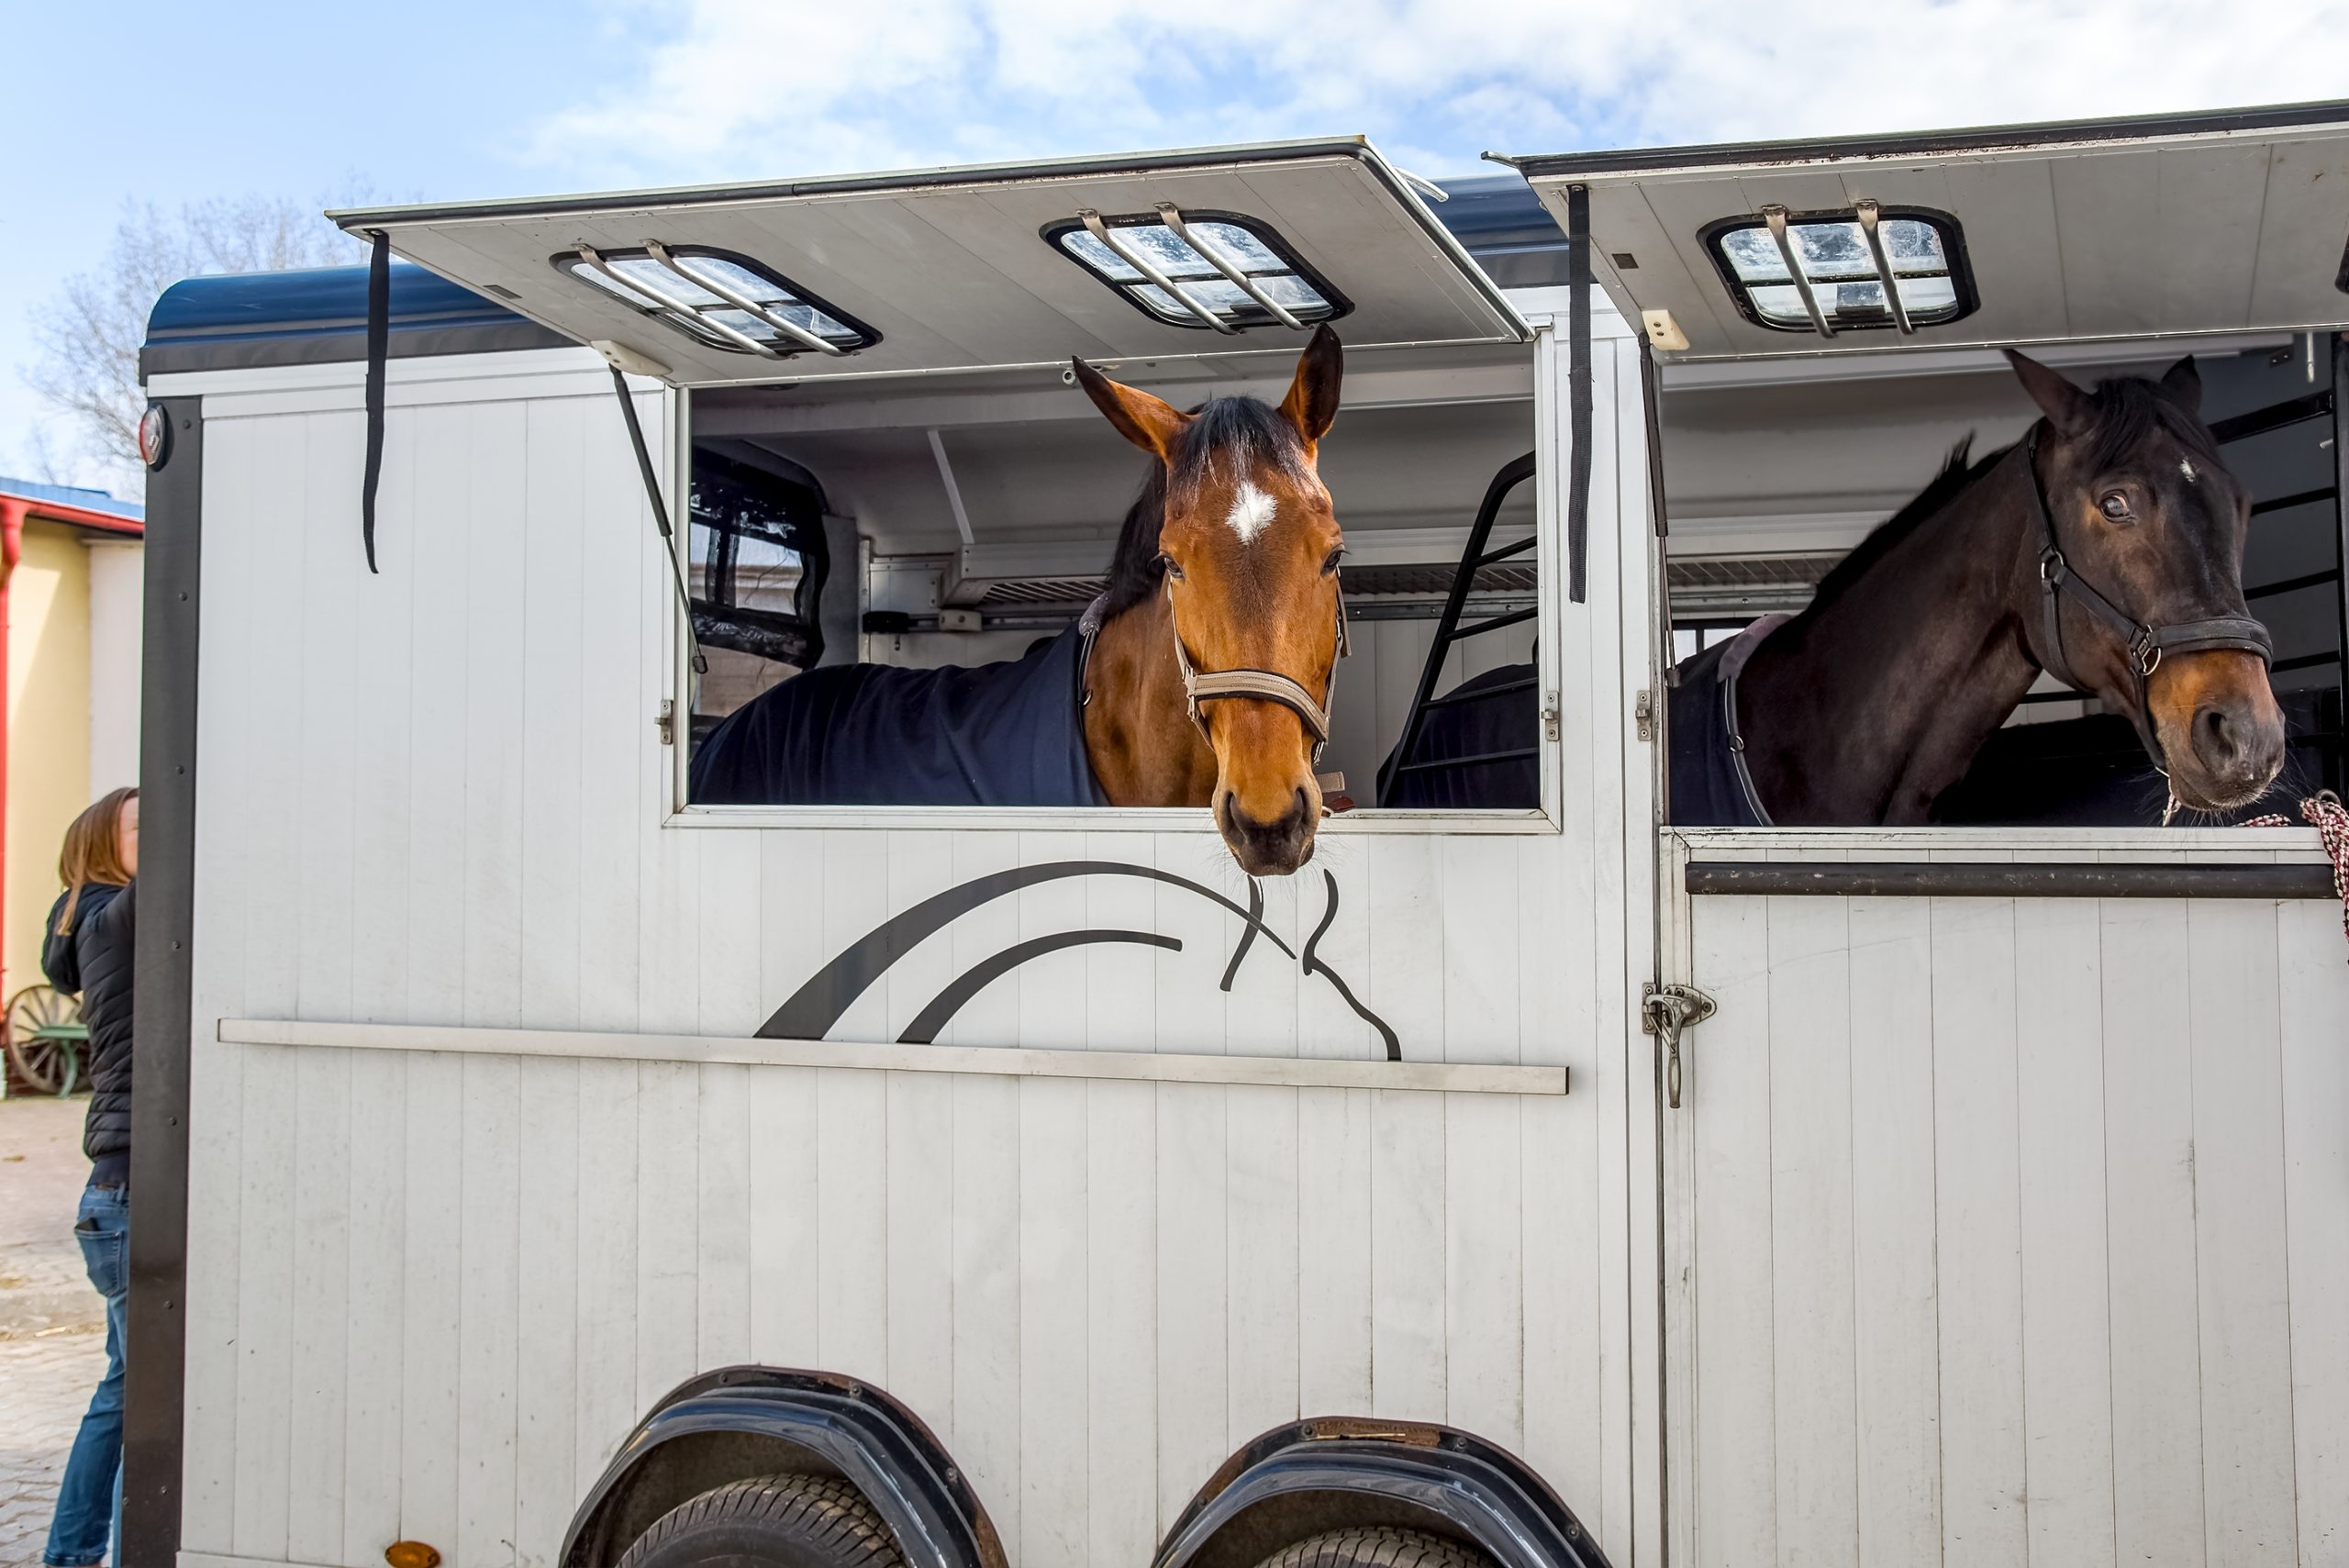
[[88, 950]]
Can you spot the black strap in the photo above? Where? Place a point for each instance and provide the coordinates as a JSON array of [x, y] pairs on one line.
[[660, 514], [1578, 393], [379, 337]]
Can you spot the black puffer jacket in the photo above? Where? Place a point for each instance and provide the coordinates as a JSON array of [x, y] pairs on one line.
[[94, 959]]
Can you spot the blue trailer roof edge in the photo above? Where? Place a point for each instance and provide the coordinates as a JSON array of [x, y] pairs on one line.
[[318, 314]]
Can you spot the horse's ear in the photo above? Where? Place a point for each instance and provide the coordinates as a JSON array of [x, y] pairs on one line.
[[2183, 382], [1151, 423], [2069, 408], [1312, 402]]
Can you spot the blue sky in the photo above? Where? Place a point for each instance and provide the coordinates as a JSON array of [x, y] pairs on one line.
[[433, 99]]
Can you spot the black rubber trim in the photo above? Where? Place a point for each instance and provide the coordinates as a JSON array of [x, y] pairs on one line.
[[1642, 159], [1474, 1491], [2005, 879], [156, 1353]]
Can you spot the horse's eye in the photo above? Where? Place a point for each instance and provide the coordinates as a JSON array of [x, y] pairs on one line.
[[1330, 562], [1166, 565], [2115, 506]]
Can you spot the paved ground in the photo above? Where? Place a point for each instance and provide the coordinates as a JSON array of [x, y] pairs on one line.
[[53, 1325]]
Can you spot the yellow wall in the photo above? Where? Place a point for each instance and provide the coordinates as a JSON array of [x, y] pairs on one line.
[[49, 733]]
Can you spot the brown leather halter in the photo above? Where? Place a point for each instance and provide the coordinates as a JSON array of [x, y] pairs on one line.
[[1266, 686]]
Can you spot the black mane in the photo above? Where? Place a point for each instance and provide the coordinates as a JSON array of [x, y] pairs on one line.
[[2128, 410], [1241, 431]]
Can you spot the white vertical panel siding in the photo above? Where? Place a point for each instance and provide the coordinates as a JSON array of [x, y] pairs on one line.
[[2025, 1195], [516, 1387], [429, 1294]]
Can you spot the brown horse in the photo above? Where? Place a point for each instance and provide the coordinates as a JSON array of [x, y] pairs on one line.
[[1202, 677], [1212, 672], [2105, 548]]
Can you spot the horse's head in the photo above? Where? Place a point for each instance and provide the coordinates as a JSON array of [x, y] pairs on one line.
[[1249, 547], [2146, 516]]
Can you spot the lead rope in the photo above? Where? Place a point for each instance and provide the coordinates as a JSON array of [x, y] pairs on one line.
[[2324, 812]]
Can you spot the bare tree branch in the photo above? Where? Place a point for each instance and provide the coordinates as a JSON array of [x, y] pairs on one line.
[[89, 335]]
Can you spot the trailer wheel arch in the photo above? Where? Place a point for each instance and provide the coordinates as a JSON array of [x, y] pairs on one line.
[[742, 1422], [1331, 1473]]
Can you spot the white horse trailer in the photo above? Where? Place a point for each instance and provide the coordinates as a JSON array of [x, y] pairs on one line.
[[524, 1149]]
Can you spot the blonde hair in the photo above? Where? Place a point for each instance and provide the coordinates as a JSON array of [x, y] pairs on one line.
[[93, 852]]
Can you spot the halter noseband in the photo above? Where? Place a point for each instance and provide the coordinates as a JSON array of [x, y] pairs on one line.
[[2146, 644], [1268, 685]]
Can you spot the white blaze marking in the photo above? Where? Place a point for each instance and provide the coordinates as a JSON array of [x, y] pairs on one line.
[[1252, 513], [2187, 469]]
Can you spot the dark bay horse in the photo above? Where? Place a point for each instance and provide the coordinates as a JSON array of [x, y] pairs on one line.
[[1201, 678], [2105, 548]]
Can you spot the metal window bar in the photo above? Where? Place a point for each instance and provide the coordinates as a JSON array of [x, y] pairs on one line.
[[2331, 402], [1474, 557], [643, 290], [1775, 216], [742, 302], [1141, 263], [1173, 217], [1867, 213]]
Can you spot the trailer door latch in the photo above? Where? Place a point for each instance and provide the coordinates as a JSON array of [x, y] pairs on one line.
[[1644, 711], [1551, 716], [1665, 1011], [667, 721]]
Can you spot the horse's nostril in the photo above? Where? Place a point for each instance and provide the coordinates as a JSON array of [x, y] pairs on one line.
[[2215, 738]]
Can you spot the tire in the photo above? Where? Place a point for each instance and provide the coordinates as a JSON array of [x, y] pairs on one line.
[[769, 1521], [1377, 1546]]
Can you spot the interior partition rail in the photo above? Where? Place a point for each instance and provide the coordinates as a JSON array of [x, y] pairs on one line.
[[1449, 632]]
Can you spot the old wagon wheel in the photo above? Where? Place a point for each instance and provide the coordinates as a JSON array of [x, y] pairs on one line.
[[46, 1039]]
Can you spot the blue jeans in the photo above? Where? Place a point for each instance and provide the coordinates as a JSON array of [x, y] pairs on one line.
[[89, 1503]]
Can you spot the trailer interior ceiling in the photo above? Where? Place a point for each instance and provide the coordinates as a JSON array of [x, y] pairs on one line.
[[2208, 223], [960, 268]]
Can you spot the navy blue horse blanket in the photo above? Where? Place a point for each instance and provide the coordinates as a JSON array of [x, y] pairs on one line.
[[1007, 734]]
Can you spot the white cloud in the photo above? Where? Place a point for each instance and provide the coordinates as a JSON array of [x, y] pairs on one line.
[[734, 88]]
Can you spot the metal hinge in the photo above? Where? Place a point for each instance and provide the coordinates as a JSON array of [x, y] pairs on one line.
[[1667, 1010], [667, 722], [1644, 711], [1551, 716]]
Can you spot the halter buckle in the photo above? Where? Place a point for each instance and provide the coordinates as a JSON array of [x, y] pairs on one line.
[[2052, 568], [2146, 652]]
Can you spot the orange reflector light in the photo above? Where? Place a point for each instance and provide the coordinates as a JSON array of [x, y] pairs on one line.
[[411, 1554]]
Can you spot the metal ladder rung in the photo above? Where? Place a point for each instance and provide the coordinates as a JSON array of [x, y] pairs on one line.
[[2301, 499], [1495, 624], [1449, 698], [1475, 759], [2292, 584], [1503, 552], [2274, 416]]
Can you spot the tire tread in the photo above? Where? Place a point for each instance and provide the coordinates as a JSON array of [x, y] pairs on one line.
[[823, 1514]]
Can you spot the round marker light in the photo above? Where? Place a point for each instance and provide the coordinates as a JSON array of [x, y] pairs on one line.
[[155, 436]]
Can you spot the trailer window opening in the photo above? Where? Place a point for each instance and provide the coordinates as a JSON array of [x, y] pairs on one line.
[[719, 299], [1836, 263], [1205, 270]]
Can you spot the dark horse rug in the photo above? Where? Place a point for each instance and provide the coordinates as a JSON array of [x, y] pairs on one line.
[[1007, 734]]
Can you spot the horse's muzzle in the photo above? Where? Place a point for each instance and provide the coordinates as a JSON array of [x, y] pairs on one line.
[[2231, 744], [1268, 849]]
